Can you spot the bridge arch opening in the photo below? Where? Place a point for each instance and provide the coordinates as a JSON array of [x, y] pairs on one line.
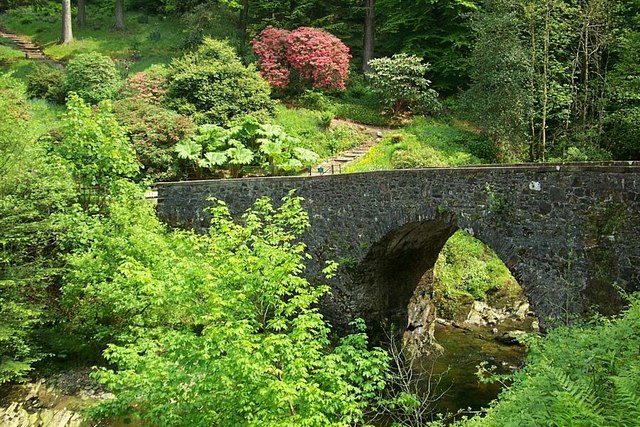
[[405, 271], [402, 290]]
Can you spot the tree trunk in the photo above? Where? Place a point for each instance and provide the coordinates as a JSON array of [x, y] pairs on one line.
[[244, 19], [120, 14], [81, 17], [67, 31], [369, 34]]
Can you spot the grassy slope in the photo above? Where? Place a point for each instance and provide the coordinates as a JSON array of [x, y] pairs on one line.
[[155, 40]]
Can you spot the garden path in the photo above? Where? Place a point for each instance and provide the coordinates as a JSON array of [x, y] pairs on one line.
[[335, 164], [30, 49]]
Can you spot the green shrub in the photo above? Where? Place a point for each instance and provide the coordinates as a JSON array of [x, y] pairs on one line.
[[92, 76], [45, 82], [313, 100], [219, 329], [154, 131], [402, 84], [418, 157], [247, 143], [214, 87], [95, 146], [34, 189], [481, 147]]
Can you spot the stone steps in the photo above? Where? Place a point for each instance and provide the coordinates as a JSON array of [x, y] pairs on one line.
[[30, 49]]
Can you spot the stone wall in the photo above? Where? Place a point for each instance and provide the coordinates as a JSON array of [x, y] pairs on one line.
[[569, 233]]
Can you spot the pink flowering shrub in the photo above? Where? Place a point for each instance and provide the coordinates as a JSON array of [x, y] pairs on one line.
[[311, 55], [149, 86]]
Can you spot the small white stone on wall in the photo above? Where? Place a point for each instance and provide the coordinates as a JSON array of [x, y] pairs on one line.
[[535, 186]]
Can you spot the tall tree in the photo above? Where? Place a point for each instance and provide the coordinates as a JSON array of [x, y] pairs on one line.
[[369, 34], [120, 14], [499, 98], [67, 31], [81, 17]]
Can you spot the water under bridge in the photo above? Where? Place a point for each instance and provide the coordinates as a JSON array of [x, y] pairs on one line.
[[569, 233]]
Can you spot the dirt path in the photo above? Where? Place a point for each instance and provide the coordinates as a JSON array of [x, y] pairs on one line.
[[336, 163]]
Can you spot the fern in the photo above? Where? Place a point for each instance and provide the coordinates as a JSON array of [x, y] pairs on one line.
[[576, 401], [626, 398]]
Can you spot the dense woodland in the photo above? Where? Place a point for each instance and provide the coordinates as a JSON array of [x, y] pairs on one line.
[[222, 329]]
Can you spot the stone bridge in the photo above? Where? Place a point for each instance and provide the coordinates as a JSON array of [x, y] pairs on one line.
[[569, 233]]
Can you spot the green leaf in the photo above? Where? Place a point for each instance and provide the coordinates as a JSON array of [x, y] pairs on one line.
[[188, 149]]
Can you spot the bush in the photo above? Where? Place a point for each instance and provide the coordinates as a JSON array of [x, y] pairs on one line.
[[219, 329], [34, 188], [418, 157], [45, 82], [248, 143], [301, 58], [95, 146], [313, 100], [214, 87], [149, 85], [92, 76], [402, 84], [154, 131]]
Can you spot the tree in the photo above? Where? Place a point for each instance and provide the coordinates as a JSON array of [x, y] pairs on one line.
[[67, 31], [499, 98], [436, 30], [302, 57], [81, 17], [369, 34], [220, 329], [120, 24]]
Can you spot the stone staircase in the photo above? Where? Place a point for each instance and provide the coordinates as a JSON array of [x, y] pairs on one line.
[[336, 163], [30, 49]]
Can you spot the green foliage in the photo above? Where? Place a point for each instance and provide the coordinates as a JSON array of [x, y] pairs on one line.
[[425, 143], [247, 143], [582, 375], [214, 87], [154, 131], [46, 82], [313, 100], [34, 192], [498, 99], [402, 84], [221, 329], [95, 146], [437, 30], [622, 133], [92, 76]]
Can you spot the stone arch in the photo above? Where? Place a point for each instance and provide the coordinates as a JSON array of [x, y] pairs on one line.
[[402, 260]]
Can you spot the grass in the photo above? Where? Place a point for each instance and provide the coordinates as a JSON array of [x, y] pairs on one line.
[[312, 128], [154, 39], [427, 142]]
